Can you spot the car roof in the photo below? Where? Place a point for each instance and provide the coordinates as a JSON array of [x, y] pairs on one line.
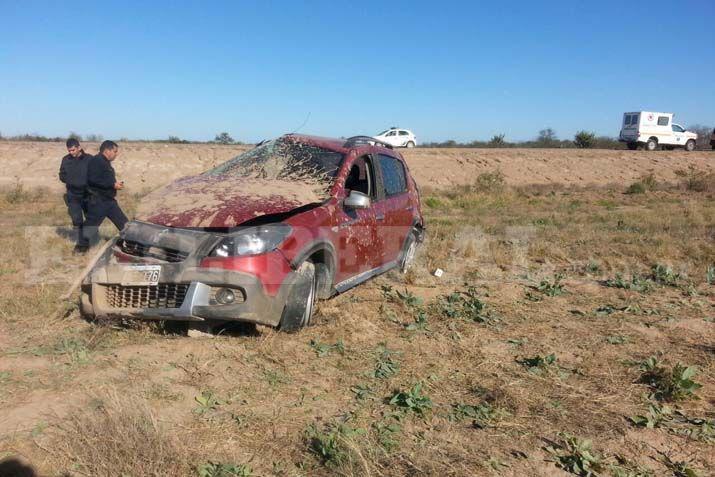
[[337, 145]]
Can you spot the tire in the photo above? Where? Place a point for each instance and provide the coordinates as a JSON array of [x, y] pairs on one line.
[[408, 252], [651, 145], [690, 145], [410, 145], [86, 309], [299, 306], [632, 146]]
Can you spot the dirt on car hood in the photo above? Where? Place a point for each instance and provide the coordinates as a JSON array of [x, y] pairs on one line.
[[218, 201]]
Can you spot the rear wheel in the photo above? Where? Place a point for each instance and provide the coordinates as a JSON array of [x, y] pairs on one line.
[[651, 145], [632, 146], [690, 145], [301, 299], [410, 145]]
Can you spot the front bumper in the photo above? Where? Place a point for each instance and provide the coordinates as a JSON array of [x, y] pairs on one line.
[[185, 285], [109, 299]]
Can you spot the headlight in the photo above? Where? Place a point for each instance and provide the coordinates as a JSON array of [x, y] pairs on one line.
[[252, 241]]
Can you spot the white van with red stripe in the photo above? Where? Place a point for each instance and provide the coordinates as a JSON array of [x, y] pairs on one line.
[[653, 130]]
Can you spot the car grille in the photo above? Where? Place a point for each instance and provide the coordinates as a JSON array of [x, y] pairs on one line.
[[138, 249], [163, 295]]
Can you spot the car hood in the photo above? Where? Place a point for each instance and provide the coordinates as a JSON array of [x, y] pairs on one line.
[[218, 201]]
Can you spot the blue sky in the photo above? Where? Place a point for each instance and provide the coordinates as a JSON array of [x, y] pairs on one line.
[[447, 70]]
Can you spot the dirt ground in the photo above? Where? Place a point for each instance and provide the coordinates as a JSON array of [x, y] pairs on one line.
[[530, 355], [144, 166]]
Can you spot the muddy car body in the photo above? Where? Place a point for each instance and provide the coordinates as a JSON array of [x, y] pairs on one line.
[[261, 237]]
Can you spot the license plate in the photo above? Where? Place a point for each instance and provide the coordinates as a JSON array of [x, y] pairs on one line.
[[141, 275]]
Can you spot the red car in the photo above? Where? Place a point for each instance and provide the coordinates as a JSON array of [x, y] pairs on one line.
[[261, 237]]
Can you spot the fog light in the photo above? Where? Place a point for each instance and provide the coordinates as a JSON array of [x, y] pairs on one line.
[[225, 296]]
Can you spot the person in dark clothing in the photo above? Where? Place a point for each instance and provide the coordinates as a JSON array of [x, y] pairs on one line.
[[103, 186], [73, 172]]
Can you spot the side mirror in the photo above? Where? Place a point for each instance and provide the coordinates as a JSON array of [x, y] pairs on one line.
[[357, 200]]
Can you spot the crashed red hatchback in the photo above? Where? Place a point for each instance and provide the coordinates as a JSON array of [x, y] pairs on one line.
[[261, 237]]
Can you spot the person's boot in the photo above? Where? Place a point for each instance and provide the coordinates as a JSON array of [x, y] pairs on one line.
[[80, 249]]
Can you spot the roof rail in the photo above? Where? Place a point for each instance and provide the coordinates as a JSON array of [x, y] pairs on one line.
[[356, 140]]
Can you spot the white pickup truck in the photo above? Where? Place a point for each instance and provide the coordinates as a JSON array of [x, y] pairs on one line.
[[652, 130]]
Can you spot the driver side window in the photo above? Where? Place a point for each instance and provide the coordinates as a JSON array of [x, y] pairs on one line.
[[361, 177]]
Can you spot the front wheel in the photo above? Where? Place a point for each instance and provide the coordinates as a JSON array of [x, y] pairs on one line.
[[408, 252], [410, 145], [299, 306], [690, 145]]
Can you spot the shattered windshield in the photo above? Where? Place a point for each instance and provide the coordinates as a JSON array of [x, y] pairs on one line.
[[283, 159]]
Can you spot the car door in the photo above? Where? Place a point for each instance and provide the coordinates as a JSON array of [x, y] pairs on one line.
[[678, 135], [395, 206], [359, 247], [391, 138]]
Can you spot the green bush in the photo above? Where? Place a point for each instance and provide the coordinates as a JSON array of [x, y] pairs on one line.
[[584, 139], [490, 181], [497, 140], [636, 188]]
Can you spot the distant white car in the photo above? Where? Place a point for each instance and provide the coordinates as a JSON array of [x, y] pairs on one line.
[[397, 137], [654, 130]]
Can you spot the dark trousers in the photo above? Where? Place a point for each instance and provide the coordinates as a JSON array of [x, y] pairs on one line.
[[77, 210], [99, 209]]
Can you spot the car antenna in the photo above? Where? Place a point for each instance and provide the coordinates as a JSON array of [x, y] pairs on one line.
[[301, 126]]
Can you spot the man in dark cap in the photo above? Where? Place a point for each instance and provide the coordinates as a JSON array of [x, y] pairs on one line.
[[103, 186], [73, 172]]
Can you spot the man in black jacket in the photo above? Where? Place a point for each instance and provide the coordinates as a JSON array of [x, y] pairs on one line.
[[73, 172], [103, 186]]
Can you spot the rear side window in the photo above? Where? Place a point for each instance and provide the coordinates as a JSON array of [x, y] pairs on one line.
[[662, 120], [393, 175], [403, 133]]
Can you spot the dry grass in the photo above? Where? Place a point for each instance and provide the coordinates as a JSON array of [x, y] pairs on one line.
[[119, 435], [271, 401]]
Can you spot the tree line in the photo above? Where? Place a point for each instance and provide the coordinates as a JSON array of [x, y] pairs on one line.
[[546, 138], [220, 138]]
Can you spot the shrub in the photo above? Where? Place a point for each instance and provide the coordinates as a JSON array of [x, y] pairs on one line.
[[218, 469], [696, 180], [331, 443], [497, 140], [433, 202], [576, 456], [490, 181], [636, 188], [669, 385], [412, 400], [584, 139]]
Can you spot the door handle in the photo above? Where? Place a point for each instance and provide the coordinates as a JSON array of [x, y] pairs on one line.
[[380, 217], [410, 208]]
